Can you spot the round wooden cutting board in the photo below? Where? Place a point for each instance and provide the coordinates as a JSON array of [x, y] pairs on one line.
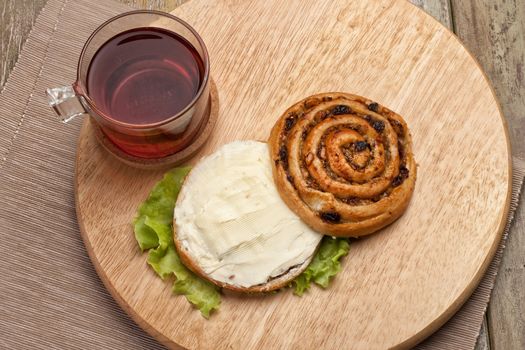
[[396, 287]]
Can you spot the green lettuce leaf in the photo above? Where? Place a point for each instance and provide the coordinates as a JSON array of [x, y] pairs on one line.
[[201, 293], [157, 211], [145, 236], [153, 228], [154, 232], [324, 265]]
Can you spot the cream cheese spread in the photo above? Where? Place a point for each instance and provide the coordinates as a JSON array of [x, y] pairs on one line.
[[233, 224]]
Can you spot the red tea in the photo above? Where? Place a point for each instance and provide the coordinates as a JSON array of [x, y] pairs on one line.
[[144, 76]]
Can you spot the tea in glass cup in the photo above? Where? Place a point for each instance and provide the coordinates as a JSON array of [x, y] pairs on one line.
[[143, 77]]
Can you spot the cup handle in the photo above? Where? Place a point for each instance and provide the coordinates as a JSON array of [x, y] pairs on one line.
[[66, 103]]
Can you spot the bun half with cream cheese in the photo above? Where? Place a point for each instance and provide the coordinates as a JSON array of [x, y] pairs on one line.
[[231, 226]]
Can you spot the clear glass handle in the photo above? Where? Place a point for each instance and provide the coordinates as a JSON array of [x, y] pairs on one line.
[[66, 103]]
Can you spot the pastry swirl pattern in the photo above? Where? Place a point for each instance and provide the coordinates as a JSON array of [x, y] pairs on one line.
[[343, 163]]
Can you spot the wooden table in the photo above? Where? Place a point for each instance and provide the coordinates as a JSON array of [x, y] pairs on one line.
[[495, 33]]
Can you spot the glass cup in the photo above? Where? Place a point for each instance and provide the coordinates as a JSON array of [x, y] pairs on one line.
[[149, 140]]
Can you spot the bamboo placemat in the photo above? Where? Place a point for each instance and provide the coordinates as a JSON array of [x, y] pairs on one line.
[[51, 297]]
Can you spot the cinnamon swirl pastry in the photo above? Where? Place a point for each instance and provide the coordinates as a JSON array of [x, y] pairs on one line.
[[343, 163]]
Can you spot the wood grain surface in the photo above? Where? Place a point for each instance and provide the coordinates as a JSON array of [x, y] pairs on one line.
[[442, 11], [432, 255], [16, 20], [494, 32], [439, 9]]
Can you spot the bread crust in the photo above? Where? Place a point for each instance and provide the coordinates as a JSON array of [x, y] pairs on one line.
[[189, 260], [336, 198]]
